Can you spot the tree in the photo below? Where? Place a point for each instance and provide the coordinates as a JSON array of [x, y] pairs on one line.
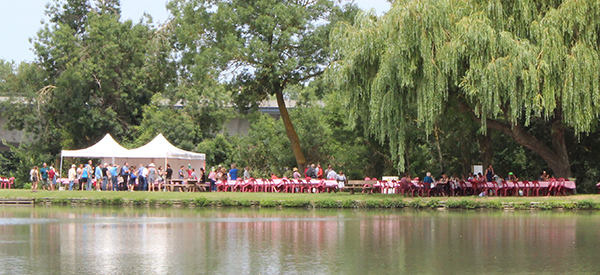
[[260, 47], [504, 63], [99, 73]]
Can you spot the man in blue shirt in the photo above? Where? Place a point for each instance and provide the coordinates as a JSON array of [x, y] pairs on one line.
[[141, 178], [125, 175], [44, 174], [233, 172], [428, 180], [114, 175]]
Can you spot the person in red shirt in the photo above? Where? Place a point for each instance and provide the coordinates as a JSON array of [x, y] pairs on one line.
[[52, 177]]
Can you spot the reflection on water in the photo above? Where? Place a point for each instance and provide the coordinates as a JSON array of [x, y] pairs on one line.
[[56, 240]]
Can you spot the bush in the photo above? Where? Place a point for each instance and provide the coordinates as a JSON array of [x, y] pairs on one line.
[[373, 203], [228, 202], [139, 201], [152, 202], [348, 203], [295, 203], [464, 204], [522, 205], [493, 205], [548, 205], [245, 203], [200, 201], [117, 201], [60, 201], [415, 204], [586, 204], [268, 203], [433, 203], [167, 202], [186, 202], [327, 203]]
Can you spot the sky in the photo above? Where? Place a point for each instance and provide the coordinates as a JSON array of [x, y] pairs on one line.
[[22, 20]]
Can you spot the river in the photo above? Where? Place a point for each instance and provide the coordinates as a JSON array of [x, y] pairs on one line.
[[129, 240]]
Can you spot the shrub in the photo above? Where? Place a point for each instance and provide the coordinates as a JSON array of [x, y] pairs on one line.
[[348, 203], [228, 202], [186, 202], [152, 202], [117, 201], [327, 203], [268, 203], [415, 204], [60, 201], [547, 205], [167, 202], [522, 205], [139, 201], [586, 204], [295, 203], [493, 205], [200, 201], [373, 203], [433, 203], [105, 201]]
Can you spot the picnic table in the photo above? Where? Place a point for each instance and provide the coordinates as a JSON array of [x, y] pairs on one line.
[[186, 185]]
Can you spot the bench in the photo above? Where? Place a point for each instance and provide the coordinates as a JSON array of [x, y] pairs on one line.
[[188, 186], [363, 185]]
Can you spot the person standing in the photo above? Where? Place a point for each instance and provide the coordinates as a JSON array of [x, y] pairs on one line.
[[489, 173], [105, 175], [114, 173], [34, 175], [79, 173], [125, 175], [212, 177], [233, 172], [311, 172], [87, 171], [152, 176], [181, 173], [246, 173], [44, 174], [52, 177], [341, 180], [144, 176], [168, 174], [327, 171], [331, 175], [98, 176], [132, 178], [72, 176]]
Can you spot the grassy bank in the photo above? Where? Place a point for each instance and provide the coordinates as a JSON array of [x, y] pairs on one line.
[[333, 200]]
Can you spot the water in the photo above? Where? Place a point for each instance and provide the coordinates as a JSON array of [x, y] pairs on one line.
[[95, 240]]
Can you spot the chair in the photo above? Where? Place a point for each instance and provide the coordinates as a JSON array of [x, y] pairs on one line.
[[526, 188], [561, 190], [506, 189], [222, 186], [535, 188]]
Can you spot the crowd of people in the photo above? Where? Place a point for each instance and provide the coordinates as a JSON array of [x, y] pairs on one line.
[[444, 183], [112, 177]]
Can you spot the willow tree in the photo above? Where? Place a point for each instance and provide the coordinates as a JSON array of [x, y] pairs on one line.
[[504, 62], [257, 47]]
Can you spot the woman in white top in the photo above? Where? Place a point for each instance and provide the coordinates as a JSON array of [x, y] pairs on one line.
[[35, 177]]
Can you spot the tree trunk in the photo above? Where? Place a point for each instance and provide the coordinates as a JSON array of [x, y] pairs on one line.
[[485, 148], [291, 132], [439, 149], [557, 157]]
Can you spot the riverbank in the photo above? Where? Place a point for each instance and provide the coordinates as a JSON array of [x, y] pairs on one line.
[[326, 200]]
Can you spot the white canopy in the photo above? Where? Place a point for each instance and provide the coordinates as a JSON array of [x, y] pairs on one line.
[[107, 147], [160, 151]]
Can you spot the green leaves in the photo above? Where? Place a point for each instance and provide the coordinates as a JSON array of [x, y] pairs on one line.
[[510, 60]]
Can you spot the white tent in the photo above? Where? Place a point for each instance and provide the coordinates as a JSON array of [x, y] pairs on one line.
[[160, 152], [107, 147]]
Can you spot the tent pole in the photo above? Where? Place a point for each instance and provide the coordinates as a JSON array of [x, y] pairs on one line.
[[61, 162]]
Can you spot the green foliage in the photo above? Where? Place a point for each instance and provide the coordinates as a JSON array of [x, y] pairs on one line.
[[139, 201], [117, 201], [228, 202], [152, 202], [105, 201], [201, 201], [268, 203], [493, 204], [416, 204], [586, 204], [522, 205], [463, 203], [548, 205], [433, 203], [327, 203], [60, 201], [186, 202], [505, 62], [295, 203]]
